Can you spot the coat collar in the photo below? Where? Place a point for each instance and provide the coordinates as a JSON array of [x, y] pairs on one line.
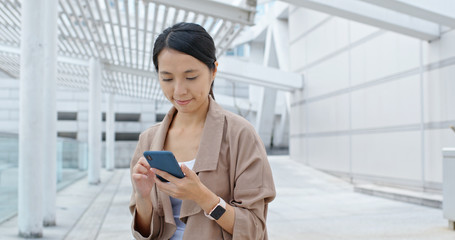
[[206, 157], [212, 134]]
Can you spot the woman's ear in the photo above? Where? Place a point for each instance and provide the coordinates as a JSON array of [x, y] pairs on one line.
[[214, 70]]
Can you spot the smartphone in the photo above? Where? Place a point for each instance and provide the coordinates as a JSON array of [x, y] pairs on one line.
[[164, 161]]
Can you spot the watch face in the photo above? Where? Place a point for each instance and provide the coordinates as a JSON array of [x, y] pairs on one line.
[[217, 212]]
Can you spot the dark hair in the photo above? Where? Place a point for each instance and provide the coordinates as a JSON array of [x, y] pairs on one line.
[[188, 38]]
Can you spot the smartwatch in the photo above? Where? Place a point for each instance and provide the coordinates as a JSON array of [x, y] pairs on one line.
[[217, 211]]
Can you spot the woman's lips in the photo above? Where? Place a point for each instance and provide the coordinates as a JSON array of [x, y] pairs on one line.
[[182, 102]]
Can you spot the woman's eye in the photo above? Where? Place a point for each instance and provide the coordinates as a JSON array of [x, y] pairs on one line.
[[166, 79], [191, 78]]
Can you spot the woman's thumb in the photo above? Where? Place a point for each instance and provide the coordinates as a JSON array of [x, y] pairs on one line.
[[185, 169]]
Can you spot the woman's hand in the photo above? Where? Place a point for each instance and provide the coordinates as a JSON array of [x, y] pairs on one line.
[[143, 178], [191, 188], [187, 188]]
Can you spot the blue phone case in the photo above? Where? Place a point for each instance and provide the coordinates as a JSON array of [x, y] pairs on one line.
[[164, 161]]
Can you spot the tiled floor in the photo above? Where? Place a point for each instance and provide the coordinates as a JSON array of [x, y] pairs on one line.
[[309, 205]]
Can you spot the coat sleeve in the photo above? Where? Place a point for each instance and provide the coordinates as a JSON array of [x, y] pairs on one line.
[[157, 218], [253, 187]]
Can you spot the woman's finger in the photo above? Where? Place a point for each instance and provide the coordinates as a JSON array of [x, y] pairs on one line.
[[143, 162], [165, 175], [166, 187], [137, 176], [187, 171]]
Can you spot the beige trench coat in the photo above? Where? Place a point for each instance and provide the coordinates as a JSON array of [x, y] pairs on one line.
[[231, 162]]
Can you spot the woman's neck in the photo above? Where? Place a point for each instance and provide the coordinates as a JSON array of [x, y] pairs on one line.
[[193, 119]]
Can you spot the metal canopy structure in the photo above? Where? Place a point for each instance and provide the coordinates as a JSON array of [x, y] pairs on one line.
[[415, 18], [120, 34]]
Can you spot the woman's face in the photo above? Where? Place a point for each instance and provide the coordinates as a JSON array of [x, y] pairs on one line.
[[185, 80]]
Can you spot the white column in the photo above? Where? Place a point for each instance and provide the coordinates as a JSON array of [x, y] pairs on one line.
[[110, 133], [280, 137], [31, 111], [50, 113], [265, 115], [94, 122], [267, 96], [281, 43]]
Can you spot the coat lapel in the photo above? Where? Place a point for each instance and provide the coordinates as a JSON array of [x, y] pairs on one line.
[[208, 153], [160, 136], [212, 135], [158, 145]]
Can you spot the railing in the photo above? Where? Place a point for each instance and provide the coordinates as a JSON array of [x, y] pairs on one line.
[[71, 165]]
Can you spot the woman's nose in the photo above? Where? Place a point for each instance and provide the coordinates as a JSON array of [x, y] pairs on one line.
[[180, 88]]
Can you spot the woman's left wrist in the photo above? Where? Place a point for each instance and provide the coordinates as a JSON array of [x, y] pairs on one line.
[[207, 199]]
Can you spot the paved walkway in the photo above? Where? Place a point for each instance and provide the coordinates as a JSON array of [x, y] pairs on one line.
[[310, 205]]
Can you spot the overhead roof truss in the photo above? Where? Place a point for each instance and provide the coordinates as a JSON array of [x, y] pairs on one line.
[[120, 33]]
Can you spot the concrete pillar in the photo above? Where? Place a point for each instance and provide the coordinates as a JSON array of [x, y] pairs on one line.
[[94, 122], [50, 113], [31, 120], [110, 133]]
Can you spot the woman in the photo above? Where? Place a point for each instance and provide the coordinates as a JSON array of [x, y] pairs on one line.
[[228, 181]]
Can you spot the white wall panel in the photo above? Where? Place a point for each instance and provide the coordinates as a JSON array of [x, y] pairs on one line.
[[440, 94], [9, 83], [297, 95], [14, 115], [65, 95], [329, 153], [297, 55], [385, 55], [129, 127], [330, 37], [435, 141], [9, 126], [67, 126], [128, 107], [82, 126], [4, 114], [14, 93], [9, 103], [302, 20], [394, 155], [82, 105], [320, 80], [330, 114], [397, 102], [4, 93], [360, 30], [389, 104], [296, 121], [442, 48], [67, 105], [294, 149]]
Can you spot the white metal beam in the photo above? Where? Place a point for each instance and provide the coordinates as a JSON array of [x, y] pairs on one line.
[[375, 16], [255, 32], [213, 8], [257, 74], [410, 8]]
